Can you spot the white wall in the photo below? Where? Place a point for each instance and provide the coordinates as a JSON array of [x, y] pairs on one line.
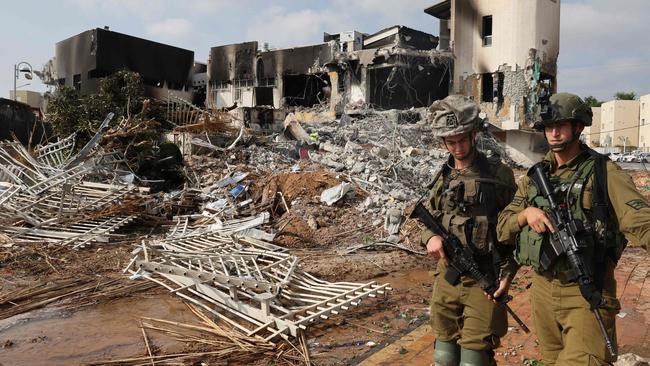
[[517, 26]]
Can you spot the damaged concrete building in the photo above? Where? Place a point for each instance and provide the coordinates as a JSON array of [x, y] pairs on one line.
[[505, 56], [397, 67], [82, 60]]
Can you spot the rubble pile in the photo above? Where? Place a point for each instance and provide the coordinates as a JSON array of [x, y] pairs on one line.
[[382, 153]]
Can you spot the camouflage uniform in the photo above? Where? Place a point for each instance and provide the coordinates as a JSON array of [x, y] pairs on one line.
[[461, 314], [565, 325]]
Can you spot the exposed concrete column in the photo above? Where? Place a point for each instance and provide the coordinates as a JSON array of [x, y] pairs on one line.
[[365, 83]]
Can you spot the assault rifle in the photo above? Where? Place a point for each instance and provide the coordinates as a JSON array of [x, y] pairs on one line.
[[461, 261], [563, 241]]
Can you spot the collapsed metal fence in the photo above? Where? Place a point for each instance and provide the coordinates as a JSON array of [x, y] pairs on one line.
[[251, 284]]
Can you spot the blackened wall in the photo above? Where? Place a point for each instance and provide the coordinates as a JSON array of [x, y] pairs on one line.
[[295, 61], [232, 62], [97, 53]]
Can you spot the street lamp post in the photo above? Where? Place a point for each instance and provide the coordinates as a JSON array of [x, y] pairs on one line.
[[27, 69]]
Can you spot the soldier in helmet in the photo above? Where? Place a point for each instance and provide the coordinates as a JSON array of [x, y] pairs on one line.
[[603, 197], [465, 198]]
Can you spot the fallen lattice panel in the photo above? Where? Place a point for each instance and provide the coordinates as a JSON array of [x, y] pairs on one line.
[[254, 285]]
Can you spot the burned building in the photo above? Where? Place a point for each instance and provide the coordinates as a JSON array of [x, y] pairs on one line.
[[505, 59], [240, 73], [82, 60], [397, 67]]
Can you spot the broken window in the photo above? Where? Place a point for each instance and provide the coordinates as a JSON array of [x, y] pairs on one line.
[[486, 30], [270, 82], [403, 87], [487, 90], [305, 90], [76, 82], [499, 88], [263, 95]]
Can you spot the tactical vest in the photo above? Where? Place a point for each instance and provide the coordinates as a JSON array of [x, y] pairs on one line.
[[468, 203], [594, 247]]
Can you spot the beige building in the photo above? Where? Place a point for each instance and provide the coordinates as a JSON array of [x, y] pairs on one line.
[[591, 134], [31, 98], [34, 99], [505, 55], [620, 124], [644, 123]]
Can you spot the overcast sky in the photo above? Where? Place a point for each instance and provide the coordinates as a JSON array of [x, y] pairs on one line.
[[604, 45]]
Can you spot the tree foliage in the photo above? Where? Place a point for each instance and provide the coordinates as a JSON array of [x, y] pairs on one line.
[[121, 93], [135, 130], [593, 102], [625, 95]]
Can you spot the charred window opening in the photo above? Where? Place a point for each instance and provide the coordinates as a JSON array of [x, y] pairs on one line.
[[264, 96], [259, 71], [405, 87], [97, 73], [76, 82], [546, 86], [499, 88], [486, 30], [305, 90], [487, 88]]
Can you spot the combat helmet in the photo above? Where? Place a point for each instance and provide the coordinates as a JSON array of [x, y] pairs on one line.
[[564, 107], [453, 115]]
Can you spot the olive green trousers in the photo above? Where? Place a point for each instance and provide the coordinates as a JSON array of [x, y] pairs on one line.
[[462, 313], [566, 327]]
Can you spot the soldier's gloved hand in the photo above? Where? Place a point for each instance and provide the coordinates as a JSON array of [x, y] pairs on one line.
[[536, 219], [435, 249], [504, 286]]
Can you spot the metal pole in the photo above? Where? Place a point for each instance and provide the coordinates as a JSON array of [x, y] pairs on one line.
[[15, 79]]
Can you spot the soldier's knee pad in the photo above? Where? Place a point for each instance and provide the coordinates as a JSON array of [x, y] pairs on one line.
[[446, 354], [470, 357]]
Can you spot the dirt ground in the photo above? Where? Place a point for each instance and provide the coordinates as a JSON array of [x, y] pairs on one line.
[[101, 322]]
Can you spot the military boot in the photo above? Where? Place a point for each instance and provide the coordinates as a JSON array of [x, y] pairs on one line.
[[446, 354], [470, 357]]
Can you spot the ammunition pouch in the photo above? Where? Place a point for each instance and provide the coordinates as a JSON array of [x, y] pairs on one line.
[[472, 231], [529, 250]]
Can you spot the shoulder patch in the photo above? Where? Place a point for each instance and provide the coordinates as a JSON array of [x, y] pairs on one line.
[[637, 204], [517, 201]]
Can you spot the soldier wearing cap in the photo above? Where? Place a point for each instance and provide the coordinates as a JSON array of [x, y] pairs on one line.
[[465, 198], [601, 196]]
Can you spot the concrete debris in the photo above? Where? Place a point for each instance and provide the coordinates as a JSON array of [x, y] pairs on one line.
[[332, 195], [630, 359], [294, 130]]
